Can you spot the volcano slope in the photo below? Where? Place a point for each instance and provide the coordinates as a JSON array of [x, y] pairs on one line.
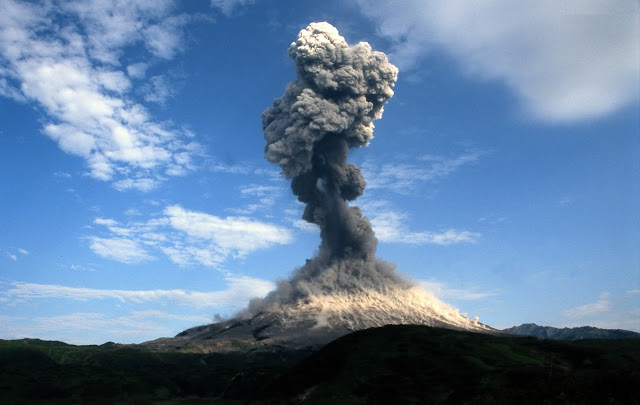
[[319, 319]]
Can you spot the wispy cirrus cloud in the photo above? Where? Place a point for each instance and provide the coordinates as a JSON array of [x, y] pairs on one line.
[[119, 249], [263, 197], [617, 311], [403, 177], [566, 61], [391, 226], [72, 70], [238, 234], [443, 291], [15, 253], [590, 310], [228, 7], [96, 328], [186, 237]]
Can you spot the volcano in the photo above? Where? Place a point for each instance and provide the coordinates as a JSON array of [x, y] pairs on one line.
[[328, 109], [316, 320]]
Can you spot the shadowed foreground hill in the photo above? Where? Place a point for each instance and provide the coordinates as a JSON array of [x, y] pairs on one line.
[[393, 364], [415, 364]]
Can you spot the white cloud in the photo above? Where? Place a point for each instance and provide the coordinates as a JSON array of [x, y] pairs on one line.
[[123, 250], [105, 221], [590, 310], [112, 25], [492, 219], [402, 178], [565, 202], [238, 292], [186, 237], [624, 319], [306, 226], [187, 255], [132, 212], [158, 90], [259, 190], [566, 61], [164, 39], [609, 312], [61, 175], [227, 7], [390, 226], [142, 184], [78, 267], [137, 70], [96, 328], [441, 290], [15, 253], [65, 58], [263, 197], [239, 234]]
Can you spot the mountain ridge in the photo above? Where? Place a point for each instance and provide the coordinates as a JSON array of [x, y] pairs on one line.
[[576, 333]]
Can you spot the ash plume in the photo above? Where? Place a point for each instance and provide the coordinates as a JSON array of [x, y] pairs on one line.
[[329, 108]]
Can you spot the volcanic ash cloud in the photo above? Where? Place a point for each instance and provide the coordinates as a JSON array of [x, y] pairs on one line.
[[328, 109]]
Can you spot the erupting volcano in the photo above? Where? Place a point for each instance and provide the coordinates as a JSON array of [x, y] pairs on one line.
[[328, 109]]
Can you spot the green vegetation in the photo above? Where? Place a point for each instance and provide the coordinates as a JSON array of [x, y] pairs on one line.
[[393, 364]]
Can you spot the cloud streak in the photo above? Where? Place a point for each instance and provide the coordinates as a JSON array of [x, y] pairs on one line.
[[441, 290], [403, 178], [97, 328], [390, 226], [119, 249], [15, 253], [240, 289], [590, 310]]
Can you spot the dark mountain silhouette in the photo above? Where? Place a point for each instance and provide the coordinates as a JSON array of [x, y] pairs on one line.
[[582, 332], [409, 364]]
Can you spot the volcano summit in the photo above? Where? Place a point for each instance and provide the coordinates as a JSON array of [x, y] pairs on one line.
[[327, 110]]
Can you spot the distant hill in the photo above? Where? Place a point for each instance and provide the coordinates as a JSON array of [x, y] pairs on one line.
[[583, 332]]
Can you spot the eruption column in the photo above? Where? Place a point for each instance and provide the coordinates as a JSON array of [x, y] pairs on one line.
[[328, 109]]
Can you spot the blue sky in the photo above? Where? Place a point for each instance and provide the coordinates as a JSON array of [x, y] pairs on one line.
[[135, 200]]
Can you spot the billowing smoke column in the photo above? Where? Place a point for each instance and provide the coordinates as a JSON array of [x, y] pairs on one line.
[[328, 109]]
